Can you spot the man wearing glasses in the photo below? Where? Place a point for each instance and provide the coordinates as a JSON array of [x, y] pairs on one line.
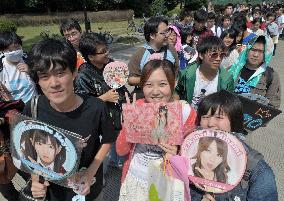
[[252, 73], [72, 31], [204, 77], [156, 34]]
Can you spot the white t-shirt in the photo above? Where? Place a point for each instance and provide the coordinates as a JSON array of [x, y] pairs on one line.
[[218, 30], [18, 83], [209, 86], [280, 20], [143, 153]]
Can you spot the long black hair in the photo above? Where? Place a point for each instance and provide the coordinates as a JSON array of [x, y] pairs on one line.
[[232, 34]]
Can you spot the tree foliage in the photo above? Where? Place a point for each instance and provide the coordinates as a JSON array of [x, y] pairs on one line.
[[158, 7], [194, 4], [140, 7], [171, 4]]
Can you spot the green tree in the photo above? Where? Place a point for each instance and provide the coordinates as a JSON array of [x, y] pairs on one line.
[[158, 7], [171, 4], [44, 5], [139, 6], [195, 4], [7, 6]]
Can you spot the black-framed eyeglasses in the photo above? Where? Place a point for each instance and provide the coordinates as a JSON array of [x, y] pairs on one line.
[[164, 33], [72, 34], [254, 50], [103, 51]]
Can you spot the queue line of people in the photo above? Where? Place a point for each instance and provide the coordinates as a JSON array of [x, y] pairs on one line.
[[84, 96]]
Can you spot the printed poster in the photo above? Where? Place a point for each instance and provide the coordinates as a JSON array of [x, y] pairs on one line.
[[257, 112], [217, 160], [44, 150], [151, 123]]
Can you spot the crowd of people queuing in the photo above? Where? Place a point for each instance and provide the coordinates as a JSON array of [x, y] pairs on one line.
[[191, 61]]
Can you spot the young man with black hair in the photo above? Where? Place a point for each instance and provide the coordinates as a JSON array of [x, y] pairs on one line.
[[199, 30], [90, 80], [185, 21], [156, 33], [53, 67], [252, 74], [211, 24], [206, 76], [71, 30], [229, 9], [226, 22]]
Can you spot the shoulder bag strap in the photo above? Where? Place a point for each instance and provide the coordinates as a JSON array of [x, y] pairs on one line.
[[34, 103]]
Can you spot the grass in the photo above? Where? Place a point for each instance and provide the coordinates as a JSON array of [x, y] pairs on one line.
[[31, 34]]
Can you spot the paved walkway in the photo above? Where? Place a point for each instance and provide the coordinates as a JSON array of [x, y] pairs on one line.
[[269, 141]]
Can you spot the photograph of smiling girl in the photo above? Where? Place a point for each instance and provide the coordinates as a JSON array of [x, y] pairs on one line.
[[43, 149], [211, 160], [159, 134]]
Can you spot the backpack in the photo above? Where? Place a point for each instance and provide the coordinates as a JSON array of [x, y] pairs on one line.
[[252, 160]]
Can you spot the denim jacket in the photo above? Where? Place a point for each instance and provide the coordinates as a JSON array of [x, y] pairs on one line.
[[261, 186]]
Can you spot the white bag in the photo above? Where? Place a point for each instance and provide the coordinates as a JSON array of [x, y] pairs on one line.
[[162, 187]]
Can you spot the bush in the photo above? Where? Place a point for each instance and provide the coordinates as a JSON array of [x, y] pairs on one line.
[[47, 34], [7, 25], [158, 7], [56, 18]]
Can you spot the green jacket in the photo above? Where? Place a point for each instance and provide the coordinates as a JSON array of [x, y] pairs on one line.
[[187, 77]]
